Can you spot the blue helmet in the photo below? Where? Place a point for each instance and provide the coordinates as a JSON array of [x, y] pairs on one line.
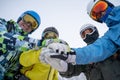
[[32, 14]]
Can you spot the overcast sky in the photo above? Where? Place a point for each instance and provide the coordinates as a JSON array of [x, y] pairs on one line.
[[66, 15]]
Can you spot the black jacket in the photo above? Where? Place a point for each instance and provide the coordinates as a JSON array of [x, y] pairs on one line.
[[108, 69]]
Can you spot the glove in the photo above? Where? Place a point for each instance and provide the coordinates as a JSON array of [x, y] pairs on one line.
[[58, 64], [56, 60], [33, 43], [69, 57], [44, 52], [57, 55], [59, 48]]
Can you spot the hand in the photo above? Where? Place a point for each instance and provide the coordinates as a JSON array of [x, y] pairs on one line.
[[58, 55], [69, 57], [57, 61], [59, 48], [35, 44], [58, 64], [44, 52]]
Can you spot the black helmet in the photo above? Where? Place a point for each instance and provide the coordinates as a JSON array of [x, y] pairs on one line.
[[90, 37], [49, 29]]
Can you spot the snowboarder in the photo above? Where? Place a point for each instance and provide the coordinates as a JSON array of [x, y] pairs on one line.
[[104, 12], [35, 69], [14, 40]]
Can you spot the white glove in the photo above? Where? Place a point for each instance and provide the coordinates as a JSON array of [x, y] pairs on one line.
[[44, 52], [58, 64], [70, 57], [58, 55], [59, 48]]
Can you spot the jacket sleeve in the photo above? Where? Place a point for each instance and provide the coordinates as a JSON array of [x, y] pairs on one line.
[[55, 76], [22, 43], [13, 41], [98, 51], [106, 45], [29, 58]]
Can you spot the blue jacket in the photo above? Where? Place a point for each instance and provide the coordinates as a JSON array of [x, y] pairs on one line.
[[105, 46]]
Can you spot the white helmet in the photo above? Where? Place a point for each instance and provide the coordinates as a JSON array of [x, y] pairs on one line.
[[90, 5], [109, 8], [86, 26]]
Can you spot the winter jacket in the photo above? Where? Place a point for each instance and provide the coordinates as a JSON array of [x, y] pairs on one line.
[[105, 46], [13, 41], [108, 69], [34, 69]]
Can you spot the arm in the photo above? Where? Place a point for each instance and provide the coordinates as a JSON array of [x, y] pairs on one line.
[[98, 51], [29, 58], [15, 40], [22, 43]]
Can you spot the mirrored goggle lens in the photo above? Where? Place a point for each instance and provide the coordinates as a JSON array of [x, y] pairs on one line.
[[87, 31], [98, 10], [50, 35], [29, 19]]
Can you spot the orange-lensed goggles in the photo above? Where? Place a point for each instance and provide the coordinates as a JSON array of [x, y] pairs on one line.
[[98, 10], [50, 35], [87, 31], [29, 19]]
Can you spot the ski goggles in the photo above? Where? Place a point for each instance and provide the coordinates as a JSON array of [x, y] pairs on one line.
[[50, 35], [30, 20], [86, 31], [98, 10]]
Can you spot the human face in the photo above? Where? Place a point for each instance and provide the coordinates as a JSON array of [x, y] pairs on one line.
[[50, 35], [26, 26], [86, 31], [28, 23]]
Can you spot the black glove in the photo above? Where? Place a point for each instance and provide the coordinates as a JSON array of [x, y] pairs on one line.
[[73, 70]]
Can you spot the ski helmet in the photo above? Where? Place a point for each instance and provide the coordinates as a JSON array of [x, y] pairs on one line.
[[89, 37], [34, 15], [48, 30], [99, 10]]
